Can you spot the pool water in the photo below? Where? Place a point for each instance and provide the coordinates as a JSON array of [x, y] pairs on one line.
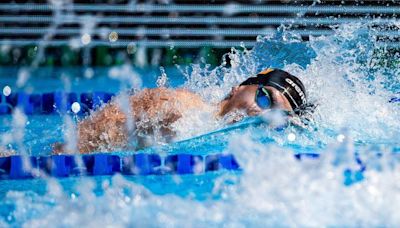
[[354, 122]]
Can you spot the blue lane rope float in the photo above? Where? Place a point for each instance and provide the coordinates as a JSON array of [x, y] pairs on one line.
[[61, 102], [394, 100], [26, 167], [59, 166], [50, 103], [13, 167]]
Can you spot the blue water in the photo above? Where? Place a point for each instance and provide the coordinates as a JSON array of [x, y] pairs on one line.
[[353, 120]]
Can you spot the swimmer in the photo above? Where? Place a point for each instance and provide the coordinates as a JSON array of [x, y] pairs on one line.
[[155, 110]]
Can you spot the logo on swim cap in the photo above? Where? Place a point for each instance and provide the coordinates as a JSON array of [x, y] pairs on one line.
[[298, 90], [266, 71]]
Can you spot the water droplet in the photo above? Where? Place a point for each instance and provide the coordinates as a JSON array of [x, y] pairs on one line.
[[86, 39], [32, 52], [74, 43], [131, 49], [104, 32], [231, 8], [340, 138], [113, 73], [75, 107], [7, 91], [5, 48], [113, 36], [23, 76], [291, 137], [89, 73], [56, 3]]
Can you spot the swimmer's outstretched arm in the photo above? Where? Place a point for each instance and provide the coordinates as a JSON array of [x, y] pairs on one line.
[[153, 112]]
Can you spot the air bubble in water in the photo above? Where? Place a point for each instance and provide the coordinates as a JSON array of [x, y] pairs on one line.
[[75, 107], [7, 91]]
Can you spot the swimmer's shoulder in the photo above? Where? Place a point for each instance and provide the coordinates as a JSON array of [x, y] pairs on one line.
[[163, 93]]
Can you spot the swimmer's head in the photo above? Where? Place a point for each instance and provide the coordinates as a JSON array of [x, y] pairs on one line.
[[285, 91]]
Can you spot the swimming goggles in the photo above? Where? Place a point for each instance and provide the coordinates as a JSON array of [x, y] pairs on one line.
[[263, 98]]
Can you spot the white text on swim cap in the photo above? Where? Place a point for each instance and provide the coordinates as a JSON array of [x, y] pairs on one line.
[[298, 90]]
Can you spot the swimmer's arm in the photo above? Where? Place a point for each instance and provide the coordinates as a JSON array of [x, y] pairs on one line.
[[103, 130]]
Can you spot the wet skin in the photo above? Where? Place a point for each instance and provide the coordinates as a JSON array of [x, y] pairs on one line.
[[154, 110], [243, 98]]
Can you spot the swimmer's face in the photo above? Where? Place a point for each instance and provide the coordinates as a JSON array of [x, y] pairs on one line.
[[243, 98]]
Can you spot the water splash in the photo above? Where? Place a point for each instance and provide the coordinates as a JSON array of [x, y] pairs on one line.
[[274, 189], [344, 75], [348, 88], [162, 80]]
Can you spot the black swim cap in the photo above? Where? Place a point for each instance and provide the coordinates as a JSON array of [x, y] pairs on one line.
[[290, 86]]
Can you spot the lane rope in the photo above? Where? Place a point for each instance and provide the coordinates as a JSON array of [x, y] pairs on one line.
[[27, 167], [52, 103]]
